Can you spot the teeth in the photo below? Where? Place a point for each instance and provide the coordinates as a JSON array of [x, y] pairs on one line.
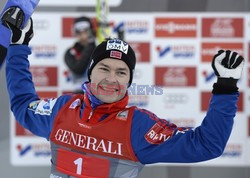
[[109, 89]]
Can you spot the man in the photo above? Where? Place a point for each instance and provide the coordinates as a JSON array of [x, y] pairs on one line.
[[77, 57], [96, 134]]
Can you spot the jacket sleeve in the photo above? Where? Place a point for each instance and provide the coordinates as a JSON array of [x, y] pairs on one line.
[[155, 140], [32, 113], [79, 64]]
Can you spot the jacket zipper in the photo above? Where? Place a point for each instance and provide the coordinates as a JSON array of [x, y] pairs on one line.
[[90, 115]]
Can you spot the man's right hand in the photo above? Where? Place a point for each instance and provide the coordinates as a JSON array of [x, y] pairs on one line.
[[18, 35], [13, 15], [21, 36]]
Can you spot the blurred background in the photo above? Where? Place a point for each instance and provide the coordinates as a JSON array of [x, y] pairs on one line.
[[163, 55]]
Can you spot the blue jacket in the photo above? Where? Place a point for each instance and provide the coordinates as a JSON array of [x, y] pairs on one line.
[[184, 146]]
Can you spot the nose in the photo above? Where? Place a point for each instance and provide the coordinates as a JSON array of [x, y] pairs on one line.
[[111, 77]]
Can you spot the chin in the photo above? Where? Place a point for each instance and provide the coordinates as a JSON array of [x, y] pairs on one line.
[[109, 100]]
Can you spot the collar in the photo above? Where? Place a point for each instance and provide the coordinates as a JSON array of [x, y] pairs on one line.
[[93, 100]]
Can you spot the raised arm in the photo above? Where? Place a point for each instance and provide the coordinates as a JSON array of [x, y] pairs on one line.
[[156, 140], [32, 113]]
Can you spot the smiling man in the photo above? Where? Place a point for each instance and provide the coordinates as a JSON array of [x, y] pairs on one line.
[[109, 81], [96, 134], [110, 78]]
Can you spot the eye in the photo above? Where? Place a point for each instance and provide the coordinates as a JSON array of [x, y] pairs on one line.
[[103, 69], [121, 73]]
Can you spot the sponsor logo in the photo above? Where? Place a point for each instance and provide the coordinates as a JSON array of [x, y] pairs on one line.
[[45, 106], [38, 150], [177, 51], [44, 76], [232, 150], [222, 27], [206, 96], [142, 51], [23, 150], [175, 98], [175, 76], [88, 143], [123, 115], [84, 126], [132, 27], [171, 100], [210, 49], [163, 51], [75, 104], [137, 26], [158, 134], [175, 27], [138, 100], [118, 27], [44, 51], [33, 105], [117, 45], [41, 24], [208, 76], [116, 54]]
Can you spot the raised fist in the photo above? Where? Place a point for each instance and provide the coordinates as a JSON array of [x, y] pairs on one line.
[[12, 18], [228, 64]]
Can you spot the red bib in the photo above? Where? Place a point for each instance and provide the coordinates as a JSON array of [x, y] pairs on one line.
[[110, 137]]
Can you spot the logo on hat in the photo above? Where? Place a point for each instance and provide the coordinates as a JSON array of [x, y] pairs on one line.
[[117, 45], [116, 54]]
